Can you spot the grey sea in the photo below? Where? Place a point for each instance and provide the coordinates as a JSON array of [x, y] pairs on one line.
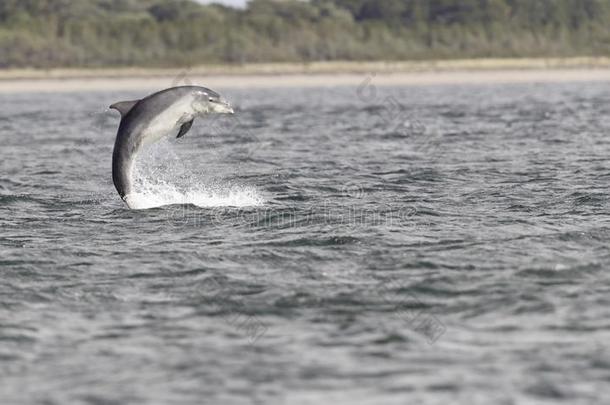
[[343, 245]]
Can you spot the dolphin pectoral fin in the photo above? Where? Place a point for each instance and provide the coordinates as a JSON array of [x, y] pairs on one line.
[[185, 128], [124, 106]]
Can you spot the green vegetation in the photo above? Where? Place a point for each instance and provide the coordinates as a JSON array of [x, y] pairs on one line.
[[83, 33]]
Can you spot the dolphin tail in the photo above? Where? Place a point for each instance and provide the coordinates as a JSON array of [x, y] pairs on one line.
[[121, 171]]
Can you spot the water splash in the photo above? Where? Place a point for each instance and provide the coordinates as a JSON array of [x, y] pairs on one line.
[[161, 178]]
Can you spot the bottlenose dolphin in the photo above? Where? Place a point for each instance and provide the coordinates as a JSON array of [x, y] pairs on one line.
[[148, 120]]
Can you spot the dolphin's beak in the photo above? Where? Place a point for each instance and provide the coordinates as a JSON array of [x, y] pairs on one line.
[[221, 106], [229, 109]]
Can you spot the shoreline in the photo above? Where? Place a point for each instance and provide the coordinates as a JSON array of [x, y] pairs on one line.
[[335, 67], [467, 71]]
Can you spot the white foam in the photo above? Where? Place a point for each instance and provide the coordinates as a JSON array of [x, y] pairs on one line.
[[160, 195], [162, 178]]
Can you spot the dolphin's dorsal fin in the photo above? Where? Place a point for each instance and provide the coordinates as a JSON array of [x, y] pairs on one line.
[[124, 106]]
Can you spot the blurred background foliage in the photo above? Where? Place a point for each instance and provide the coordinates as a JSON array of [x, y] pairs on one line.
[[87, 33]]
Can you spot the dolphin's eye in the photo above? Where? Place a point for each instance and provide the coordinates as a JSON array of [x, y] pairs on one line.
[[211, 99]]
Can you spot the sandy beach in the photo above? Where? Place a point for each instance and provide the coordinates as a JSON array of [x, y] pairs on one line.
[[459, 72]]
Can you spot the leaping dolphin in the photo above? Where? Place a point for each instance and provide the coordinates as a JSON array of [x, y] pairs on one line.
[[146, 121]]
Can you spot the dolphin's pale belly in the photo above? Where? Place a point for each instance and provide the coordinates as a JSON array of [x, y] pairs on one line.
[[168, 122]]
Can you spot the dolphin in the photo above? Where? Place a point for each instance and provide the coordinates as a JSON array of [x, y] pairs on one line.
[[148, 120]]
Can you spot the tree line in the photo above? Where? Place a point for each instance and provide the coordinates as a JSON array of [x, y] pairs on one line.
[[155, 33]]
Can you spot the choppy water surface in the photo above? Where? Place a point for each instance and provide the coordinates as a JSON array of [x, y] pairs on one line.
[[362, 245]]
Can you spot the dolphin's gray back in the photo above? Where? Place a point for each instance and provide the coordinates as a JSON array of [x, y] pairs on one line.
[[132, 130]]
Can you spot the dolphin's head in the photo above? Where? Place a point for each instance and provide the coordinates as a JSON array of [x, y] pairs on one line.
[[208, 101]]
